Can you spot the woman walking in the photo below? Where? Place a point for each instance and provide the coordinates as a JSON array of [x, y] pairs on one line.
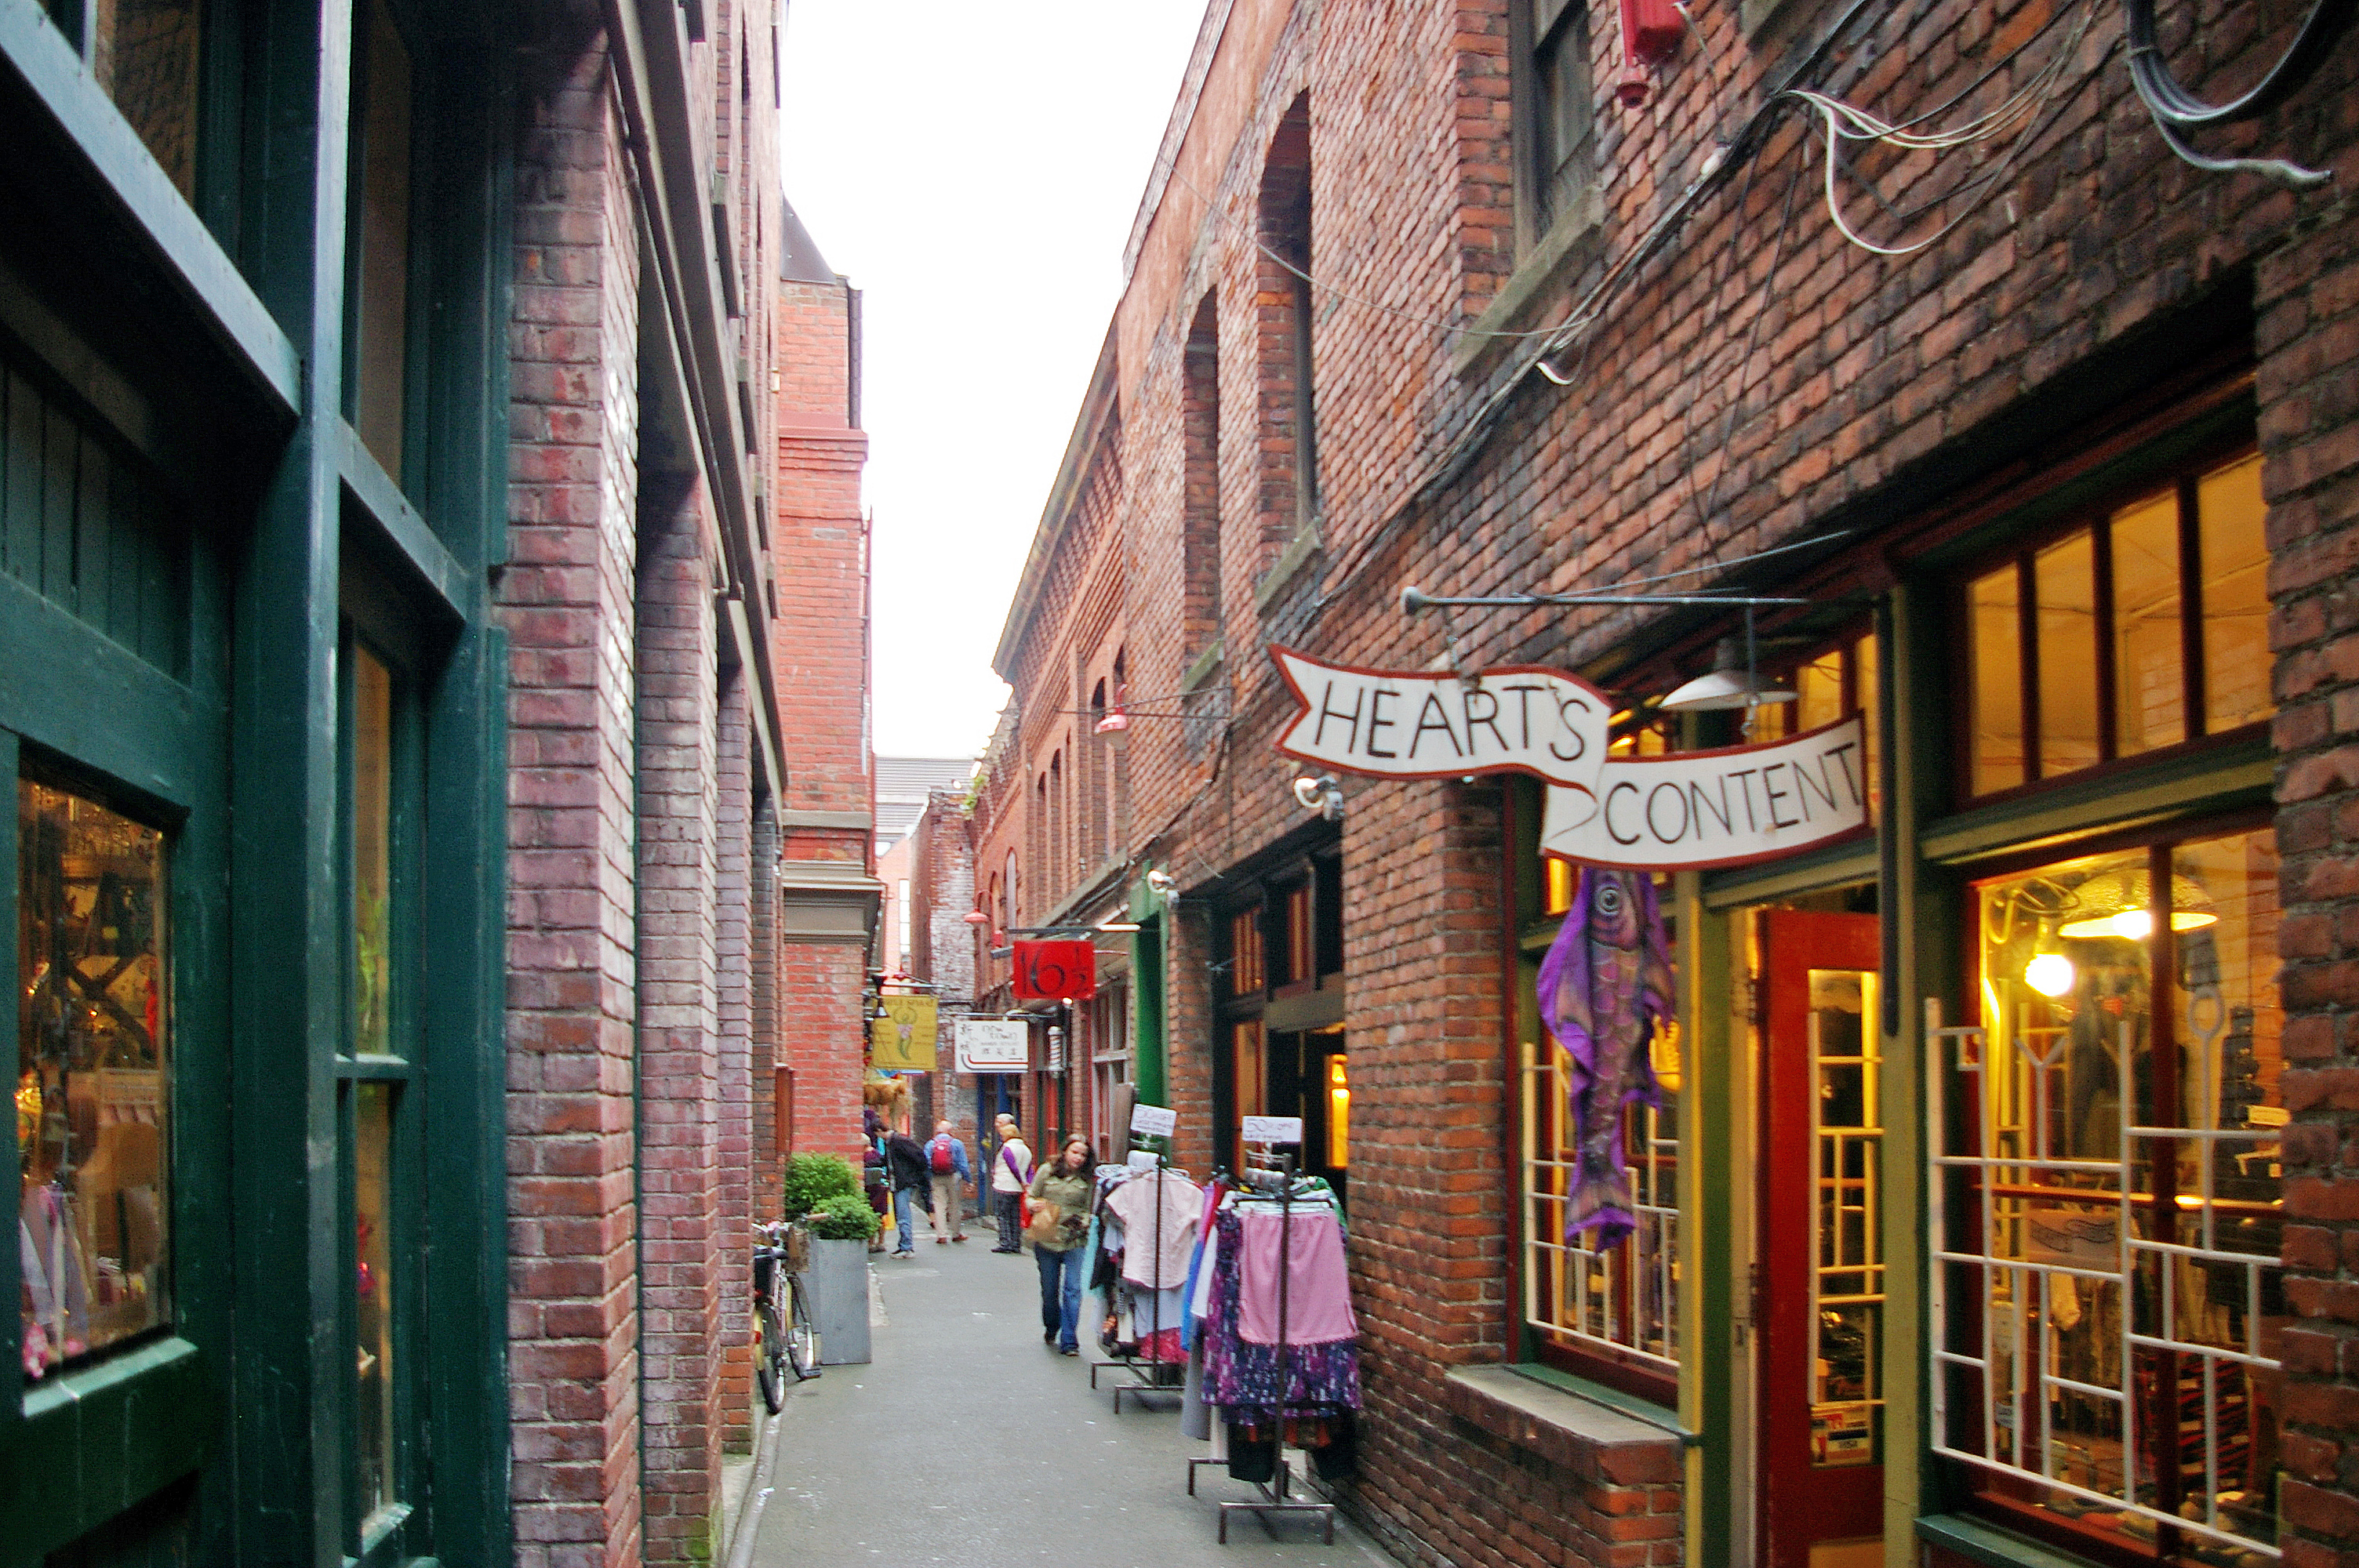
[[1011, 1171], [1061, 1218]]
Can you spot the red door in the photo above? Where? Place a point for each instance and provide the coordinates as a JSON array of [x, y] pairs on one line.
[[1819, 1305]]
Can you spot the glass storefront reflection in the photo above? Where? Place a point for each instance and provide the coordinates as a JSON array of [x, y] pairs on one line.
[[94, 1084]]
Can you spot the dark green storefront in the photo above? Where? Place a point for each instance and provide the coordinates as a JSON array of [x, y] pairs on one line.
[[252, 486]]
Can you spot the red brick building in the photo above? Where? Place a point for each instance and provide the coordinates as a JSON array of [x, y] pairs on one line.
[[827, 909], [1996, 1209]]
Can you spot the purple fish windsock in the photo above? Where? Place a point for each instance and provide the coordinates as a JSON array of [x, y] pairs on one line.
[[1605, 987]]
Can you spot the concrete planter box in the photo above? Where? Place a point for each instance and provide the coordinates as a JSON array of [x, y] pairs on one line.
[[838, 1278]]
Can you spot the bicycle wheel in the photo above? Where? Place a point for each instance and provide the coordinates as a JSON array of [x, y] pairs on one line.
[[802, 1335], [769, 1356]]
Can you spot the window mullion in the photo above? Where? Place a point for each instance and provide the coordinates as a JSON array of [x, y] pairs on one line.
[[2027, 611], [2190, 607], [2101, 582]]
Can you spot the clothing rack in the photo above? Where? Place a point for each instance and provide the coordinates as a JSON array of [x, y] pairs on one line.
[[1151, 1377], [1261, 1165]]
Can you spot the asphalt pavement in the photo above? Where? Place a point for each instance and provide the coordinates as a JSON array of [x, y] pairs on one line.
[[968, 1441]]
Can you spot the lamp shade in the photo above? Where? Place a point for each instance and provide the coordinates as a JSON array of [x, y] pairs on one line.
[[2121, 904], [1730, 684]]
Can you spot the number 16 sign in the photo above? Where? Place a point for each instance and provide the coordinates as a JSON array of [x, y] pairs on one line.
[[1054, 972]]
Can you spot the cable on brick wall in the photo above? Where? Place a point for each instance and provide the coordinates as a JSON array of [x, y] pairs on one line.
[[2176, 110]]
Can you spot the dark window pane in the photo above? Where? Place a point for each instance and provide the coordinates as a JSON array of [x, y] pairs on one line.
[[2150, 671], [380, 194], [145, 54], [2235, 557], [2064, 585], [1994, 635], [94, 1083], [1560, 140]]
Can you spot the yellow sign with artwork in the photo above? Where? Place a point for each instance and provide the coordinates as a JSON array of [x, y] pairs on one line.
[[902, 1041]]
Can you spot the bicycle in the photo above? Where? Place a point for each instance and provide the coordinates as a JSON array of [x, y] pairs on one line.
[[784, 1337]]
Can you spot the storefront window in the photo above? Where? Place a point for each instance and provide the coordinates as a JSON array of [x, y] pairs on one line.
[[2078, 650], [94, 1101], [1836, 681], [2107, 1181], [373, 1287], [1621, 1304]]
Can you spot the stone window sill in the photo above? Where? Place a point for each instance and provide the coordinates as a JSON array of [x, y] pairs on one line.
[[1534, 275], [1299, 550], [1206, 663], [1587, 1435]]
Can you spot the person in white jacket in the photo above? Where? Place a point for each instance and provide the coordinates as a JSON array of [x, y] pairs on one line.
[[1011, 1172]]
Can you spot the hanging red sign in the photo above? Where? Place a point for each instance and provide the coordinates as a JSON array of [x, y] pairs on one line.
[[1056, 971]]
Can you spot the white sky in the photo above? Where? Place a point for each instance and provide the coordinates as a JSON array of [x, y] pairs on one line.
[[974, 169]]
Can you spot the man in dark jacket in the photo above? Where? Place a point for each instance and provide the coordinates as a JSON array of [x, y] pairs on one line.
[[905, 1160]]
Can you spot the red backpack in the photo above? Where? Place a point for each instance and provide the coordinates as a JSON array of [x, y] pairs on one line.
[[938, 1154]]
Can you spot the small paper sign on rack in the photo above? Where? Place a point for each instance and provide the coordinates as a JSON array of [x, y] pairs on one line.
[[1144, 1159], [1273, 1130], [1153, 1120]]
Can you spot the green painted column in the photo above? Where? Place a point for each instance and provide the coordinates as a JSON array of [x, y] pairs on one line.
[[1151, 1026]]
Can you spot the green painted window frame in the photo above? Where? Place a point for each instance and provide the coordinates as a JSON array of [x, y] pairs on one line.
[[89, 1442]]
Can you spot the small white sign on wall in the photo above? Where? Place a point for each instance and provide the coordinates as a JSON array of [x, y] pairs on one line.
[[992, 1045]]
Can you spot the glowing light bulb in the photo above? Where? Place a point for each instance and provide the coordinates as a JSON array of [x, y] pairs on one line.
[[2137, 924], [2050, 974]]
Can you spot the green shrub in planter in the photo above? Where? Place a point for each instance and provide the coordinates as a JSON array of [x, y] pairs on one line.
[[813, 1177], [843, 1217]]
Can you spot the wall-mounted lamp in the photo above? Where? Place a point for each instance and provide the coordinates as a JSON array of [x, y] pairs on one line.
[[975, 917], [1321, 794], [1735, 680], [1162, 883], [1114, 728]]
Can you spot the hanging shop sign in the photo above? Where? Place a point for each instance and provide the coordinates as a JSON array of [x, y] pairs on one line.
[[1689, 811], [992, 1045], [1270, 1129], [1400, 724], [902, 1039], [1732, 807], [1059, 970]]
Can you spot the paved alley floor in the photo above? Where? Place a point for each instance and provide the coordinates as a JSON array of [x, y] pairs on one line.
[[968, 1441]]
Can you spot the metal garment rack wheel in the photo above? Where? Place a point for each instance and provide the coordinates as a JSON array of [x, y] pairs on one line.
[[1276, 1502]]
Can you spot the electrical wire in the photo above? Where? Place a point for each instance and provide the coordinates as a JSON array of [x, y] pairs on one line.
[[2176, 110]]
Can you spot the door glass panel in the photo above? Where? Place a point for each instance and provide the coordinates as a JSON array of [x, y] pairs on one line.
[[2149, 673], [1847, 1283], [2064, 585], [2235, 552], [1994, 626], [145, 54], [372, 807], [372, 1286], [93, 1101]]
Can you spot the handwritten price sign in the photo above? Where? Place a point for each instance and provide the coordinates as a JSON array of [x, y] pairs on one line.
[[1052, 972]]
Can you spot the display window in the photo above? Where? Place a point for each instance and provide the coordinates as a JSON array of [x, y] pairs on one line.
[[1604, 1311], [2142, 628], [2107, 1191], [93, 1079], [1832, 681]]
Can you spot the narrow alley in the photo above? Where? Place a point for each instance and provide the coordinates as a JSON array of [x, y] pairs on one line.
[[968, 1441]]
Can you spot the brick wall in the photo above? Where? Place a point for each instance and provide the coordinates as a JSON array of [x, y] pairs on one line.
[[821, 1037], [1867, 382], [566, 599], [679, 873], [735, 1086]]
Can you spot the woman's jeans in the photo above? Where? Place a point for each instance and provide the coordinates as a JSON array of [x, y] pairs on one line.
[[1007, 1209], [902, 1201], [1061, 1310]]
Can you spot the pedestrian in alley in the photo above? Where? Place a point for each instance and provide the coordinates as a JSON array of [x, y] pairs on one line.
[[1060, 1216], [1011, 1172], [905, 1161], [946, 1163]]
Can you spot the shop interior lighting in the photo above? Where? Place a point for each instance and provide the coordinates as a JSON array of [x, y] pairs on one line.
[[2050, 973], [1118, 926], [2121, 904]]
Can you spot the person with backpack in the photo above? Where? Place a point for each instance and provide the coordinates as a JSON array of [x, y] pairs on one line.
[[946, 1163], [1011, 1172], [905, 1159]]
